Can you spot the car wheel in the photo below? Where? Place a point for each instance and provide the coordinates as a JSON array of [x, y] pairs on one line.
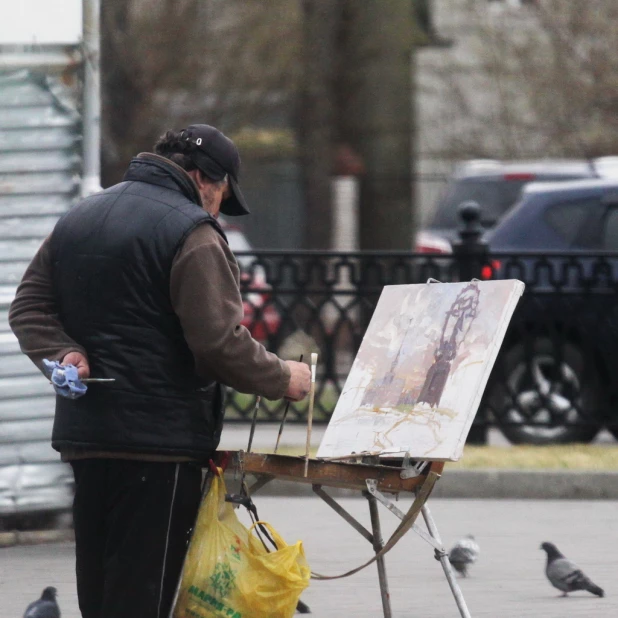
[[544, 394]]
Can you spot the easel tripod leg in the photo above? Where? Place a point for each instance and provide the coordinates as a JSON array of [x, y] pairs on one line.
[[446, 565], [377, 546]]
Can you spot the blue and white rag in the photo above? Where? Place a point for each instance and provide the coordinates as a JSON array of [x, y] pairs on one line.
[[65, 380]]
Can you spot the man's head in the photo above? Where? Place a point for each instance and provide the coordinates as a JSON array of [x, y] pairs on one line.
[[212, 160]]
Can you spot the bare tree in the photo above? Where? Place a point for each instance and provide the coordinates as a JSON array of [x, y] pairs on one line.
[[537, 80], [356, 98], [343, 67], [375, 103], [316, 116], [170, 62], [148, 51]]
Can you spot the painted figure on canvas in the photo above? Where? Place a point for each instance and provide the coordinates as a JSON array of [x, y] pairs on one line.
[[457, 323]]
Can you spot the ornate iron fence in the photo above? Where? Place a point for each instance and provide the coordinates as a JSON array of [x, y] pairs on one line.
[[304, 301], [552, 382], [553, 379]]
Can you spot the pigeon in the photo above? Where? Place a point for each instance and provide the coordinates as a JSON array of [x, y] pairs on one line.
[[566, 575], [45, 607], [464, 553], [302, 608]]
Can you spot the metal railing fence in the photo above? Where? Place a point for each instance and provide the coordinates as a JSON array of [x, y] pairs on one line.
[[552, 381]]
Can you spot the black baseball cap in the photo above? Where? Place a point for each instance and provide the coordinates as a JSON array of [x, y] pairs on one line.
[[216, 156]]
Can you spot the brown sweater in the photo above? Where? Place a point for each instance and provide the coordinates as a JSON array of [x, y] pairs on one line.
[[205, 294]]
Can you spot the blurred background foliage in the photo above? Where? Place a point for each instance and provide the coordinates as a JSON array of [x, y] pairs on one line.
[[310, 88], [291, 80], [231, 63], [534, 78]]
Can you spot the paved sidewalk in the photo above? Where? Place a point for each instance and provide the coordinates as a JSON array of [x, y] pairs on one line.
[[507, 581], [235, 436]]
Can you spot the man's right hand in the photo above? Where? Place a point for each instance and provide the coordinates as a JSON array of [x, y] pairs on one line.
[[300, 381], [78, 360]]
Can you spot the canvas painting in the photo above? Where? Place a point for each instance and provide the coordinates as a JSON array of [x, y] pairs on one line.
[[419, 375]]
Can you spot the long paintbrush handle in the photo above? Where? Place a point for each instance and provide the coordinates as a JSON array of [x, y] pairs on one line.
[[253, 422], [314, 362], [285, 415]]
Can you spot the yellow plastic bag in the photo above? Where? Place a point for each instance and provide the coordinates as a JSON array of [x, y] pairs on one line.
[[228, 572]]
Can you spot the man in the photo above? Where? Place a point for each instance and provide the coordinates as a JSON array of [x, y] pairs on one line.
[[137, 283]]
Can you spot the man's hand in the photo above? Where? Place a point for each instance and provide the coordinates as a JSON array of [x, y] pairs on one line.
[[80, 361], [300, 381]]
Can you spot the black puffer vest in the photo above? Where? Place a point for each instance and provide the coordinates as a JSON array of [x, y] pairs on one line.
[[112, 258]]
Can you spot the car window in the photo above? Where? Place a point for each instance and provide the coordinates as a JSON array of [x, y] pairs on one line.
[[238, 242], [568, 219], [609, 239], [494, 195]]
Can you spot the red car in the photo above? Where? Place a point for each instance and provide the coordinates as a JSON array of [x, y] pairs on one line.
[[261, 317]]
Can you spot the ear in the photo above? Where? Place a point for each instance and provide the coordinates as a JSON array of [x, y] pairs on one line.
[[198, 177]]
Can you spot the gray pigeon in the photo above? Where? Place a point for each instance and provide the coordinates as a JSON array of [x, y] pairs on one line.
[[302, 608], [45, 607], [464, 553], [566, 575]]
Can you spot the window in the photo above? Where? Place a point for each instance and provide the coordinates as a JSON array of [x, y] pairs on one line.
[[494, 195], [568, 219], [609, 239]]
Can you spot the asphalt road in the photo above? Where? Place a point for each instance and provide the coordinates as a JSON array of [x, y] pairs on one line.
[[508, 580]]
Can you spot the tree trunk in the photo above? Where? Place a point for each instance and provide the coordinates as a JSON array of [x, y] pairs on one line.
[[320, 19], [376, 107]]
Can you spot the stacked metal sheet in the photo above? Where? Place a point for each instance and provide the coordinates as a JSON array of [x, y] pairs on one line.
[[40, 143]]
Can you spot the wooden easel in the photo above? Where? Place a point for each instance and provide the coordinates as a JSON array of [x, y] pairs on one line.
[[380, 380], [374, 479]]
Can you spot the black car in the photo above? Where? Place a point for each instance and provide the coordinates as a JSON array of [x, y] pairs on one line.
[[496, 187], [554, 380]]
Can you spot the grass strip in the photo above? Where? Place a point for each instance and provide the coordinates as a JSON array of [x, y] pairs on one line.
[[523, 457]]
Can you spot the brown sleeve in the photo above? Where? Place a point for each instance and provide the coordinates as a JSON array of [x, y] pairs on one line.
[[206, 297], [33, 315]]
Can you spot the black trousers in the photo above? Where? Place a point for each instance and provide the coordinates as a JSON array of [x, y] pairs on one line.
[[133, 520]]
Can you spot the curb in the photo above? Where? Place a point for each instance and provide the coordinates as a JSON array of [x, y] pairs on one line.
[[529, 484], [482, 484], [491, 484], [35, 537]]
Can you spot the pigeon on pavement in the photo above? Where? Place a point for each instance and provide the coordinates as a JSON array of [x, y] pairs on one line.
[[45, 607], [566, 575], [464, 553], [302, 608]]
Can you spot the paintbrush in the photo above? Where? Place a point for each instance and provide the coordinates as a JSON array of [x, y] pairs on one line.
[[314, 362], [251, 433], [258, 399], [285, 415]]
